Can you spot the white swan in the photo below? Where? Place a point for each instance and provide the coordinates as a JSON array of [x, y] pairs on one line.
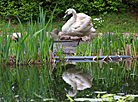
[[79, 24], [77, 79]]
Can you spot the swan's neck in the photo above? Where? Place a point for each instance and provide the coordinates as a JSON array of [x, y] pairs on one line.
[[73, 18], [67, 25]]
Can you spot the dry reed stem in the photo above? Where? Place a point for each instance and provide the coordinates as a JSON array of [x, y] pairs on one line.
[[52, 57], [104, 58], [126, 49], [100, 52], [110, 58], [100, 64], [128, 65], [94, 58], [129, 47], [134, 67], [134, 53]]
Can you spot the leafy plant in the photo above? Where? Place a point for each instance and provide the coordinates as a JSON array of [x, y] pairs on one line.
[[25, 9]]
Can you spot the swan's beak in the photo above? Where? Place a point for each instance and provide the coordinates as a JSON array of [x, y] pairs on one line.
[[66, 14], [66, 90]]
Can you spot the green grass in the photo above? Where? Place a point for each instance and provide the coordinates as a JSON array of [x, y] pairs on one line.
[[125, 22], [121, 22]]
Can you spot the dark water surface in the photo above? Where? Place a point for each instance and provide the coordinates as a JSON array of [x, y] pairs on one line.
[[77, 80]]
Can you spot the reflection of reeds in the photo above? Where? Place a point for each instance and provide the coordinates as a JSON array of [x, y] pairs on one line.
[[112, 72], [21, 83], [128, 64]]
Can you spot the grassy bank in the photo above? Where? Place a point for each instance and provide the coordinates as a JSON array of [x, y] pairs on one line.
[[120, 22]]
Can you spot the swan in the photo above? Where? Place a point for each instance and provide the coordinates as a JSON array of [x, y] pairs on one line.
[[79, 24], [77, 79]]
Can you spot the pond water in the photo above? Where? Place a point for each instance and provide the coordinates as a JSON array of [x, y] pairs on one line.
[[69, 81]]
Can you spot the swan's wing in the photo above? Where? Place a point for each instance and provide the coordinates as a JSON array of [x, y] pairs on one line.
[[83, 23], [85, 20]]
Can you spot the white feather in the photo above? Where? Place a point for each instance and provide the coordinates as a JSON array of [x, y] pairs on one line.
[[79, 24]]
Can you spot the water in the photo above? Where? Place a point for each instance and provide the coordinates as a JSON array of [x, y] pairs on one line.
[[48, 82]]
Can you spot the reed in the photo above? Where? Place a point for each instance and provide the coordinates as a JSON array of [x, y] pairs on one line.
[[34, 44], [5, 44], [110, 44]]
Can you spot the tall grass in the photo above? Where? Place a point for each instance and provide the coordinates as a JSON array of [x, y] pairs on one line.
[[33, 45], [110, 44], [5, 43]]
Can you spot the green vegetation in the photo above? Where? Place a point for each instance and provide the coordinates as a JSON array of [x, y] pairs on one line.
[[43, 82], [31, 50], [110, 44], [120, 22], [109, 21], [34, 44], [25, 9], [26, 83], [113, 42]]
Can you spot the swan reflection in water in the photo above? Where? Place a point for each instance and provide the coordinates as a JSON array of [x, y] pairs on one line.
[[77, 79]]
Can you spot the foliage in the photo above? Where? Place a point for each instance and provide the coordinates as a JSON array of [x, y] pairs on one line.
[[132, 3], [89, 7], [25, 9]]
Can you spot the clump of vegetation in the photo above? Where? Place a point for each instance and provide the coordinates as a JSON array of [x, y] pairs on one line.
[[110, 44], [34, 45]]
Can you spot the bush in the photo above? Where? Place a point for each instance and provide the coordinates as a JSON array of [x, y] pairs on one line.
[[25, 9]]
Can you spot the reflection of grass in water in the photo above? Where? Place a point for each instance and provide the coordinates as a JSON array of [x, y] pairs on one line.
[[25, 82], [111, 77], [111, 72], [36, 82]]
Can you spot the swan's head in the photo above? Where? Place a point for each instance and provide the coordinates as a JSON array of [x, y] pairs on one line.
[[69, 11]]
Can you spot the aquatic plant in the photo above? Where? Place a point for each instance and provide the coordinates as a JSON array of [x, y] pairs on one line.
[[5, 43], [110, 44], [33, 46]]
